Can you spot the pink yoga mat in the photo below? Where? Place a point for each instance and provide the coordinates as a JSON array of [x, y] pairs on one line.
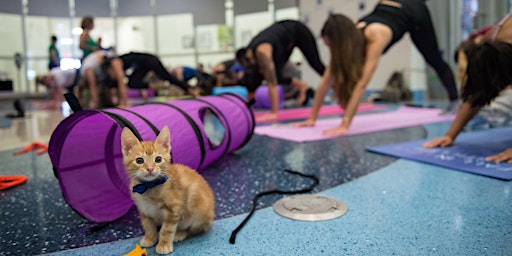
[[300, 113], [362, 123]]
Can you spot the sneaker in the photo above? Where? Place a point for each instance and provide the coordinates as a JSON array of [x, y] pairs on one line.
[[20, 110]]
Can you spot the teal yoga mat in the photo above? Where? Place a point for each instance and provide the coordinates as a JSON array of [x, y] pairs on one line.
[[467, 154]]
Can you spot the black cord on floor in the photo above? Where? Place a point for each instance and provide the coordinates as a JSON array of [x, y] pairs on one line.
[[276, 191]]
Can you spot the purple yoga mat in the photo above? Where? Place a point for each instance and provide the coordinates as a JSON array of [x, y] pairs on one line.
[[300, 113], [135, 93], [262, 99], [467, 154], [85, 148], [362, 123]]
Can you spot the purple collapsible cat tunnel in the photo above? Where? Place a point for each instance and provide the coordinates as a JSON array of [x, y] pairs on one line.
[[85, 148]]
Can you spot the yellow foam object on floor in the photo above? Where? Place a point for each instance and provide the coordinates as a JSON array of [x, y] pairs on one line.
[[137, 251]]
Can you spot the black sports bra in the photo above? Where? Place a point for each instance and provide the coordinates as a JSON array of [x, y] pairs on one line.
[[391, 16]]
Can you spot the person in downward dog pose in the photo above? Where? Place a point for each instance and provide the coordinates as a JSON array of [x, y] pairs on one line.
[[267, 54], [356, 50], [137, 67], [486, 76], [99, 69], [172, 197], [57, 81]]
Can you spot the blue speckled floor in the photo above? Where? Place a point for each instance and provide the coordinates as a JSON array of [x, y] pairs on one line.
[[395, 206]]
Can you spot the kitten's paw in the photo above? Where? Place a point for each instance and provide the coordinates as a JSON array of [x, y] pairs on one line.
[[164, 248], [147, 241], [180, 236]]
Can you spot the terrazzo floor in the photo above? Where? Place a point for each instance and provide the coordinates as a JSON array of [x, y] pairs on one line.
[[396, 207]]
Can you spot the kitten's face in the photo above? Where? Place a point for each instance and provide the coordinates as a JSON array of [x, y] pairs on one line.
[[146, 160]]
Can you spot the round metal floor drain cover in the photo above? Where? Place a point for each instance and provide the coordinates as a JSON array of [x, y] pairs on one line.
[[310, 207]]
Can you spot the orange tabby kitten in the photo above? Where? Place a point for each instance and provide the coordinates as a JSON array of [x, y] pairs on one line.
[[173, 197]]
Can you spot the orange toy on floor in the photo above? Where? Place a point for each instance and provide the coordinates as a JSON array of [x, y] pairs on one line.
[[11, 181], [137, 251], [43, 148]]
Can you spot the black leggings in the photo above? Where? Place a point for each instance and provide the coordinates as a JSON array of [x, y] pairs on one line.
[[306, 43], [284, 37], [424, 38], [142, 63]]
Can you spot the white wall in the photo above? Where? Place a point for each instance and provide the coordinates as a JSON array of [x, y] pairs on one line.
[[248, 25], [175, 34], [104, 28], [135, 34], [12, 42]]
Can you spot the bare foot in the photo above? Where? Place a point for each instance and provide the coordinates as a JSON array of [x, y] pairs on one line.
[[122, 105], [301, 98], [335, 131], [194, 91], [303, 89]]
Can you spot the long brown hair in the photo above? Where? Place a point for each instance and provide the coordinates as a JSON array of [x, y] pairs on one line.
[[348, 51]]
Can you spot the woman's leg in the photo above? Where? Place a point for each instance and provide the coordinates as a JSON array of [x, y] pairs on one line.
[[153, 63], [116, 66], [424, 37], [307, 45]]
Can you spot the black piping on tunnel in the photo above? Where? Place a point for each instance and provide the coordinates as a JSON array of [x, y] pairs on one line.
[[191, 122], [150, 124], [227, 130], [249, 119]]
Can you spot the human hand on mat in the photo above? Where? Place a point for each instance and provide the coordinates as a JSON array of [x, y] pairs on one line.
[[267, 117], [340, 130], [439, 142], [505, 156], [307, 123]]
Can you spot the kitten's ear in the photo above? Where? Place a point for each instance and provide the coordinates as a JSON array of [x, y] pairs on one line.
[[164, 138], [128, 140]]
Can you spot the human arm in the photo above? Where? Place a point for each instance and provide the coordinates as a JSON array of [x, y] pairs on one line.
[[323, 87], [93, 91], [116, 66], [83, 42], [53, 55], [84, 37], [267, 68], [466, 113], [374, 48]]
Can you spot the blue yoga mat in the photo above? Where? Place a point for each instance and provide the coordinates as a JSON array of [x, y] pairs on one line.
[[467, 154]]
